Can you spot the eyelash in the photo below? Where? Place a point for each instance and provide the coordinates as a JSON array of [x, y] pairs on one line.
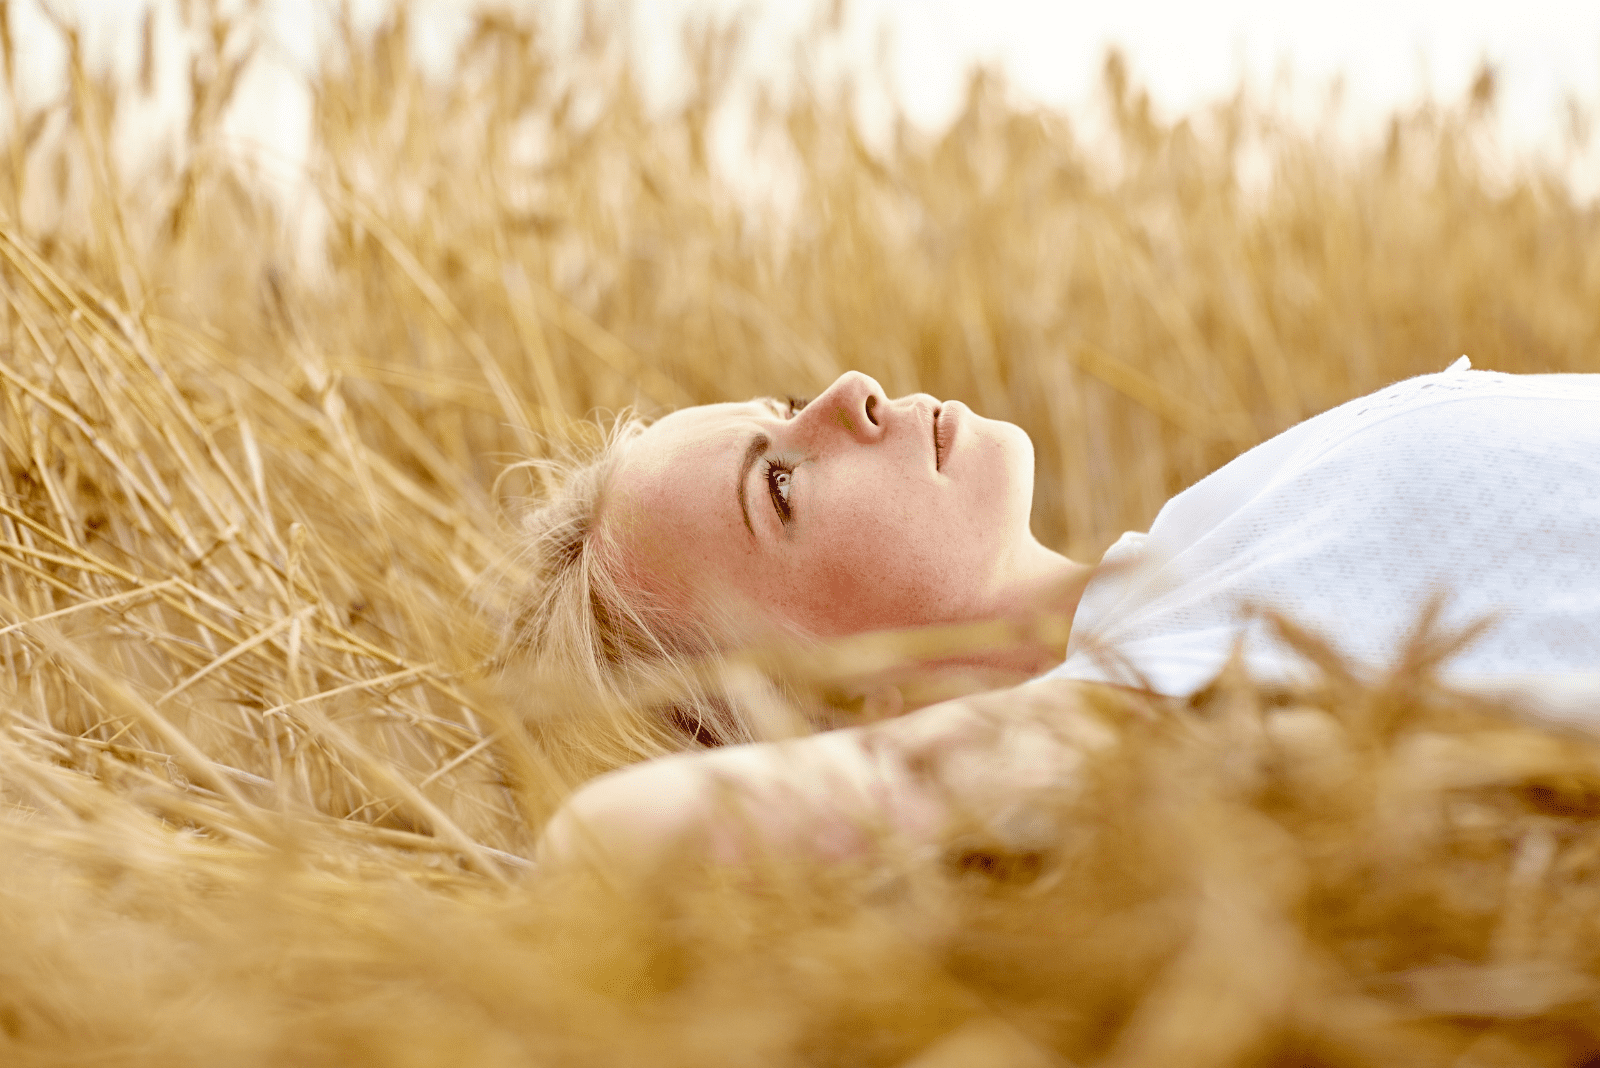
[[776, 469]]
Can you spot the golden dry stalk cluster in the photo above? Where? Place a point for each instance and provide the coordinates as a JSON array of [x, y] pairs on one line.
[[264, 801]]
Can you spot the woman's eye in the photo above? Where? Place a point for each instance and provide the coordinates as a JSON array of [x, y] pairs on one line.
[[780, 479], [796, 405]]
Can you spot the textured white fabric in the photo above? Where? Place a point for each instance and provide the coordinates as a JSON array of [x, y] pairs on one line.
[[1480, 486]]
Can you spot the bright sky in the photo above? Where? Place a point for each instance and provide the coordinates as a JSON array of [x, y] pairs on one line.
[[1187, 52], [1391, 52]]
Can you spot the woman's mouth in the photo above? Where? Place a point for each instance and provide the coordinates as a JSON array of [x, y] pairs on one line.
[[942, 430], [946, 425]]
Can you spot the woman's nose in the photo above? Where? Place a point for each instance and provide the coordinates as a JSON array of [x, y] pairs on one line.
[[854, 403]]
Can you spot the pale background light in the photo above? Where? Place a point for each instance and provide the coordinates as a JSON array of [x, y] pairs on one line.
[[1388, 54]]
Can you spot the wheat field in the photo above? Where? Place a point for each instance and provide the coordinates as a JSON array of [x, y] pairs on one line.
[[269, 789]]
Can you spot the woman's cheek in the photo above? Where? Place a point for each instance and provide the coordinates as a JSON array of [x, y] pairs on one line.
[[878, 556], [847, 595]]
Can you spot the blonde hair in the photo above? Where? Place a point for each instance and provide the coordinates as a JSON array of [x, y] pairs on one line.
[[578, 618]]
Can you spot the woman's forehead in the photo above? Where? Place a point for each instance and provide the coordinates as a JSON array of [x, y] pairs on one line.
[[694, 434], [683, 469], [672, 508]]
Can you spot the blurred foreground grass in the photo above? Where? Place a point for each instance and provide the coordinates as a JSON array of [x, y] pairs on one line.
[[263, 803]]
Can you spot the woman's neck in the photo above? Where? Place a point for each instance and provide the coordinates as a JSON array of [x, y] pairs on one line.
[[1041, 596], [1055, 587]]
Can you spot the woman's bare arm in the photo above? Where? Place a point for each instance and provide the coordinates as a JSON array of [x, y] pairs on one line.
[[842, 793]]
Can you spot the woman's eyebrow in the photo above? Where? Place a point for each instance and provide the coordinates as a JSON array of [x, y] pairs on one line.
[[758, 445]]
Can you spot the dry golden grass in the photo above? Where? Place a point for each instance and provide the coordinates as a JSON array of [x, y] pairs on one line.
[[263, 805]]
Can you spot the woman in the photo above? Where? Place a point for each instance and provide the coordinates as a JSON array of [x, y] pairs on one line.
[[1472, 490]]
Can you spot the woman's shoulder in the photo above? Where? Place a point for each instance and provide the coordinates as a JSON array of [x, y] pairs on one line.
[[1461, 424], [1442, 398], [1459, 384], [1448, 418]]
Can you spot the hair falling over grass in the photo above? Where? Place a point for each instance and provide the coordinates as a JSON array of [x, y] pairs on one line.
[[268, 790]]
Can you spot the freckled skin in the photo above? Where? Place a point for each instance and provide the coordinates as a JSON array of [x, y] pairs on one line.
[[878, 537]]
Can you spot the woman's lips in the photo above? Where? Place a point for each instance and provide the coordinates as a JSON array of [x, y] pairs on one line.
[[944, 431]]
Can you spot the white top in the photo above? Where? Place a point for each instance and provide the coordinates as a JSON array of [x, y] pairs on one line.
[[1480, 486]]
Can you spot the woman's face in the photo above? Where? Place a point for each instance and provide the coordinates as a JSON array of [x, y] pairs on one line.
[[854, 513]]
